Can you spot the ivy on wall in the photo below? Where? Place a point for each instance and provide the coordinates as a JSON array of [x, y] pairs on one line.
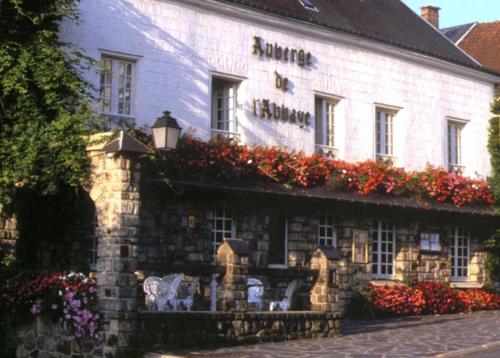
[[43, 99], [494, 147]]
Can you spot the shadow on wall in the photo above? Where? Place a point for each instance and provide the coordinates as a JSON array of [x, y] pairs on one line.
[[55, 231], [175, 75]]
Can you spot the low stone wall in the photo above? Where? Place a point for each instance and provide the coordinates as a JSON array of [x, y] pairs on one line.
[[182, 329], [43, 338]]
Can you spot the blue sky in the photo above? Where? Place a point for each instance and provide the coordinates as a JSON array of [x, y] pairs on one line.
[[457, 12]]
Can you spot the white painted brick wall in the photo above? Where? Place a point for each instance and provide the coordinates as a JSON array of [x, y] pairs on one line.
[[179, 45]]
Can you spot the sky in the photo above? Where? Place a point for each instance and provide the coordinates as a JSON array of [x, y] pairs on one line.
[[457, 12]]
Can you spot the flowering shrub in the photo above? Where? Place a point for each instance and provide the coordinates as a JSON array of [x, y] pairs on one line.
[[226, 160], [440, 298], [397, 300], [430, 298], [476, 300], [68, 297]]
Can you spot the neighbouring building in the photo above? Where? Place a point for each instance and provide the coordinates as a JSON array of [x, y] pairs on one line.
[[353, 80], [479, 40]]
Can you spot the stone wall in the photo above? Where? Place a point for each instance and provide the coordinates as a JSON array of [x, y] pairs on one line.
[[52, 232], [165, 237], [44, 338], [193, 329]]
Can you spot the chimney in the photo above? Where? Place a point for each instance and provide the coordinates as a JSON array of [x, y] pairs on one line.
[[430, 13]]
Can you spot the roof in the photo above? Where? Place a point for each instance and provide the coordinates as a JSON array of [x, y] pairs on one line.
[[319, 193], [388, 21], [483, 43], [455, 33], [124, 142]]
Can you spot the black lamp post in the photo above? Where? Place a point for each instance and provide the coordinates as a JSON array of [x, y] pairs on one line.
[[166, 132]]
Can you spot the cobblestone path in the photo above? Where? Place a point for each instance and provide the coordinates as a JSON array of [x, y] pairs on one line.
[[427, 336]]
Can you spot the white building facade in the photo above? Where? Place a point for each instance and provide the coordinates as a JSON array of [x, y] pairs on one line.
[[223, 68]]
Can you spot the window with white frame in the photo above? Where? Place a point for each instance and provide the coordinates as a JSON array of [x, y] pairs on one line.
[[430, 241], [327, 232], [325, 123], [224, 96], [460, 253], [223, 226], [383, 249], [384, 133], [116, 87], [454, 145]]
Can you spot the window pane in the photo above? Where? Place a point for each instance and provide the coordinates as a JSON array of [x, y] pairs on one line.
[[223, 99]]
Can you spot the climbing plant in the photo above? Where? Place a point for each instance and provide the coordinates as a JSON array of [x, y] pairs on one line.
[[494, 147], [43, 99]]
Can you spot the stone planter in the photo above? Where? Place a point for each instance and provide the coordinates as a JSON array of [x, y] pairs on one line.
[[44, 338]]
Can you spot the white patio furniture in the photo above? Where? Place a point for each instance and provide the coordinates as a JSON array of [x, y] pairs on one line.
[[151, 287], [188, 300], [285, 303], [161, 293], [169, 289], [255, 293]]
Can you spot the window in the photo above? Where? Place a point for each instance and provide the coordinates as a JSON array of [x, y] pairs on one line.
[[460, 244], [223, 226], [224, 95], [383, 249], [455, 146], [384, 133], [116, 87], [360, 246], [430, 242], [93, 245], [278, 239], [327, 232], [309, 5], [325, 126]]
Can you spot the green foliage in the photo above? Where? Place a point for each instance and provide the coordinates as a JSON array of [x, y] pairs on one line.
[[493, 243], [43, 99], [494, 148]]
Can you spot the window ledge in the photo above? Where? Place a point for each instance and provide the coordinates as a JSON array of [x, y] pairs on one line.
[[386, 158], [465, 284], [456, 168], [327, 151], [384, 282], [224, 134]]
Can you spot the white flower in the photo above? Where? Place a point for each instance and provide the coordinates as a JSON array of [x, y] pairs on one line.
[[60, 293], [249, 161]]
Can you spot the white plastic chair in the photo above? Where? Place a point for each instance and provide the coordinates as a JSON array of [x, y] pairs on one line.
[[151, 287], [169, 288], [255, 292], [188, 301], [285, 303]]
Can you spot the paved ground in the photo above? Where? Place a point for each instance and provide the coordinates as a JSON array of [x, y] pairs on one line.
[[467, 335]]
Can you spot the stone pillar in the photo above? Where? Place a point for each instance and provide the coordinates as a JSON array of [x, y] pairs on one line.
[[232, 293], [323, 292], [330, 291], [115, 190]]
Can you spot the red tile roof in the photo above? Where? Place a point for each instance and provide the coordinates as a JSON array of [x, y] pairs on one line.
[[483, 43]]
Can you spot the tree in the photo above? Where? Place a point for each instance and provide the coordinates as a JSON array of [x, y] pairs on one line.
[[494, 148], [43, 99]]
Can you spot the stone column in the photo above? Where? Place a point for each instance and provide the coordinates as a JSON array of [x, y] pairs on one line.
[[114, 188], [232, 293], [330, 291]]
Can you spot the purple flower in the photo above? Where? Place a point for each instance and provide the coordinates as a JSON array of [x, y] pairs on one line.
[[75, 303], [35, 309]]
